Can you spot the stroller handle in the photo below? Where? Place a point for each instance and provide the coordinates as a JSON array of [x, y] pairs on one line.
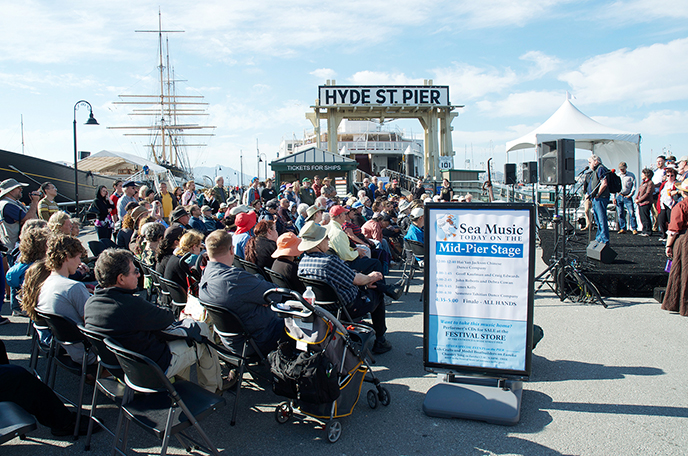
[[319, 311], [286, 291]]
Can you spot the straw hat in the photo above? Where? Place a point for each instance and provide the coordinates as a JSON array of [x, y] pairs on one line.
[[8, 185], [287, 245], [138, 212], [311, 236], [684, 186]]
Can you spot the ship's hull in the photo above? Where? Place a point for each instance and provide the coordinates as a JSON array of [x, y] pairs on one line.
[[34, 171]]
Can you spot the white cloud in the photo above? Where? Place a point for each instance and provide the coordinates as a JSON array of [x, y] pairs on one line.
[[324, 73], [635, 11], [645, 75], [469, 82], [543, 63], [497, 13], [661, 122], [523, 104], [380, 78]]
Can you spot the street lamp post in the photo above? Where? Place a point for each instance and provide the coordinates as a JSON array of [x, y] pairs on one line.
[[91, 121], [264, 158]]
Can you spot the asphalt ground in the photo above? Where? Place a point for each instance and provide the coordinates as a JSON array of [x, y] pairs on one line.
[[604, 382]]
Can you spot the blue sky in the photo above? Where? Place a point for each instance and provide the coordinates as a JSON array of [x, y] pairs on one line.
[[259, 65]]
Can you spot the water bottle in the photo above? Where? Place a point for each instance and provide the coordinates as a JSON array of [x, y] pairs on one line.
[[309, 296]]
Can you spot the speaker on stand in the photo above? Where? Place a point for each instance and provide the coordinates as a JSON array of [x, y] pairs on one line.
[[529, 175], [510, 177]]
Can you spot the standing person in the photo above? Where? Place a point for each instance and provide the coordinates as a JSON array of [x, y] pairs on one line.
[[13, 213], [219, 189], [189, 196], [177, 193], [117, 192], [598, 192], [677, 252], [644, 201], [624, 199], [129, 188], [657, 181], [372, 186], [168, 201], [317, 185], [103, 222], [268, 192], [668, 196], [253, 193], [446, 193], [307, 194], [47, 206]]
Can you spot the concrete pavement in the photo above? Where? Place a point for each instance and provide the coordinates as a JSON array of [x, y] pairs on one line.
[[604, 381]]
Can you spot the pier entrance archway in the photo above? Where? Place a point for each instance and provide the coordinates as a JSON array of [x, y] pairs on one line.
[[427, 103]]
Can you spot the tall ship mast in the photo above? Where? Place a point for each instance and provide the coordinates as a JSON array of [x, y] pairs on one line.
[[169, 133]]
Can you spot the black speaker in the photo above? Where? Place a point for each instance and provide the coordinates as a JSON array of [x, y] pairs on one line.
[[529, 172], [600, 252], [556, 162], [510, 173]]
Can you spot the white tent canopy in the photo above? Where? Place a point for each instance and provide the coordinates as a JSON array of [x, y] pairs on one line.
[[611, 145]]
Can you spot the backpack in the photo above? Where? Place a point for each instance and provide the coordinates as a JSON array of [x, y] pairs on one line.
[[613, 182]]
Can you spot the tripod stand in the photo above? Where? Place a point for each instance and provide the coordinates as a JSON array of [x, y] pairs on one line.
[[562, 275]]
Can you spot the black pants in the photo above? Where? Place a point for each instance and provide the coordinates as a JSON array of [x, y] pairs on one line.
[[663, 220], [645, 219], [370, 300], [104, 232]]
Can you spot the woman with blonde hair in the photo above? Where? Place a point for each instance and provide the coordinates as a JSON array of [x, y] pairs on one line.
[[60, 222], [190, 242]]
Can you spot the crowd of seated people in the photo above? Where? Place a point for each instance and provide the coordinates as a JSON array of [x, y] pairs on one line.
[[330, 239]]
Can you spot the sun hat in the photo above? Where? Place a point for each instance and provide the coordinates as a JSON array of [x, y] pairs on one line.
[[232, 200], [223, 206], [337, 210], [403, 205], [305, 179], [287, 245], [178, 213], [417, 213], [311, 211], [684, 186], [206, 208], [245, 221], [239, 209], [311, 236], [8, 185], [356, 205], [272, 204]]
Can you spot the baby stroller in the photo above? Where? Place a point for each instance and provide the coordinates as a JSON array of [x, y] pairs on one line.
[[322, 366]]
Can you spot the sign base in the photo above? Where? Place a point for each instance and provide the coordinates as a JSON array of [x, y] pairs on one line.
[[496, 401]]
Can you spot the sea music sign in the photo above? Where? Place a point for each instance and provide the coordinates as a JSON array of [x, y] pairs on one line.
[[383, 95], [479, 276]]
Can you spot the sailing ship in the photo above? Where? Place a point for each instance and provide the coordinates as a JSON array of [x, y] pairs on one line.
[[168, 129]]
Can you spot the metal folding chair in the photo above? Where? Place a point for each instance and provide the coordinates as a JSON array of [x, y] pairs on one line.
[[229, 326], [164, 409]]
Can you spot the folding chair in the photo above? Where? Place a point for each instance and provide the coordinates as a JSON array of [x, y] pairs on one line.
[[15, 421], [165, 409], [108, 243], [229, 326], [328, 298], [176, 294], [252, 268], [278, 279], [39, 347], [162, 295], [96, 247], [65, 332], [148, 285], [413, 250], [113, 387], [237, 262]]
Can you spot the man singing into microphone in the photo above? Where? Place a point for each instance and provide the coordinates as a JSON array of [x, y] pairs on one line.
[[598, 192]]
